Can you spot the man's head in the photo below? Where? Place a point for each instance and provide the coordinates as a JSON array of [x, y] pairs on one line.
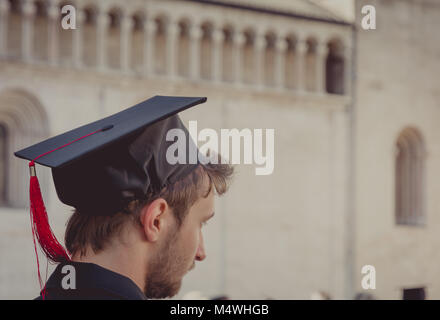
[[164, 229]]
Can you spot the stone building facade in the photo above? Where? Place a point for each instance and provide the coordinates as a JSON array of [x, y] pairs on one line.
[[396, 154], [284, 65]]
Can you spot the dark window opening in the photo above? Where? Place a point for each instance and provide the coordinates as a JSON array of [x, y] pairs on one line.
[[414, 294], [334, 71]]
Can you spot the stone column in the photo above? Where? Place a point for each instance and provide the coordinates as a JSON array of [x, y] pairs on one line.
[[172, 33], [150, 29], [217, 47], [259, 49], [4, 13], [321, 57], [300, 65], [280, 54], [27, 30], [125, 45], [195, 36], [77, 38], [239, 39], [53, 36], [103, 21]]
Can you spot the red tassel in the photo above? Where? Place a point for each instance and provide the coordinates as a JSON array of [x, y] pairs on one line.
[[40, 222], [41, 230]]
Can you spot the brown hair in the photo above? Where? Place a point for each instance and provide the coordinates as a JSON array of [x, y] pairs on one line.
[[97, 231]]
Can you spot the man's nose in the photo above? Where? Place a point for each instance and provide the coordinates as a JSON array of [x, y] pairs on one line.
[[201, 255]]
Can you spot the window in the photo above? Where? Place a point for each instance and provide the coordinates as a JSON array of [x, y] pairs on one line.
[[183, 47], [206, 46], [23, 122], [160, 45], [414, 294], [334, 68], [409, 178]]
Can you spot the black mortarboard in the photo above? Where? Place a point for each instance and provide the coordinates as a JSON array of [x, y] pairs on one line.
[[99, 167], [126, 159]]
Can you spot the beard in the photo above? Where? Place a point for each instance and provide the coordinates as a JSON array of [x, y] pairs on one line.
[[166, 270]]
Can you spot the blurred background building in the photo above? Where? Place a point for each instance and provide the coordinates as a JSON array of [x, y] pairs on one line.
[[354, 111]]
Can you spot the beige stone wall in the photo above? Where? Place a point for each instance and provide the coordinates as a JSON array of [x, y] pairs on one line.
[[397, 87]]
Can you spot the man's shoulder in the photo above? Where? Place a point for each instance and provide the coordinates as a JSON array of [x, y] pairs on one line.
[[88, 281]]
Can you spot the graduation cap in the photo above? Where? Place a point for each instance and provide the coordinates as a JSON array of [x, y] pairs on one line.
[[100, 167]]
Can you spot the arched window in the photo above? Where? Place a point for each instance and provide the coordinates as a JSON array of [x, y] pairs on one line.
[[90, 36], [114, 38], [291, 62], [160, 45], [310, 65], [409, 178], [14, 28], [65, 39], [334, 68], [206, 46], [183, 49], [249, 57], [269, 59], [228, 55], [23, 122], [137, 45], [41, 27]]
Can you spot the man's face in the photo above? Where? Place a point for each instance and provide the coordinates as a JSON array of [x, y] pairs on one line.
[[179, 251]]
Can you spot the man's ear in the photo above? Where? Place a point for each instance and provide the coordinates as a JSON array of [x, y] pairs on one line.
[[154, 219]]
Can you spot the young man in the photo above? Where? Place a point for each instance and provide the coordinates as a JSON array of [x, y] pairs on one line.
[[137, 225]]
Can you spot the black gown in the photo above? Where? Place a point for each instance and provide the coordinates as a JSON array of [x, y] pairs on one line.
[[92, 282]]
